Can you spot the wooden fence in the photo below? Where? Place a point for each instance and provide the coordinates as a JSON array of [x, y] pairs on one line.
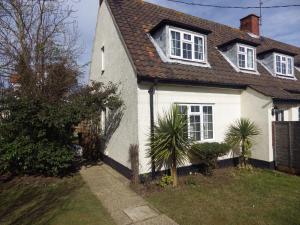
[[286, 144]]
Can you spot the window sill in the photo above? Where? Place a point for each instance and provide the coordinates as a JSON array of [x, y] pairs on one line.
[[286, 77], [248, 71], [187, 62]]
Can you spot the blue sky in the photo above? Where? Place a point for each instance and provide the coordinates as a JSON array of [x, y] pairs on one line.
[[280, 24]]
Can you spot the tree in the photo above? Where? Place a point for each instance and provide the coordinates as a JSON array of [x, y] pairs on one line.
[[169, 144], [39, 49], [240, 135], [35, 36]]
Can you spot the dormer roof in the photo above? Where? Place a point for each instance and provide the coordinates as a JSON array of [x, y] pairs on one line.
[[241, 41], [277, 50], [185, 26]]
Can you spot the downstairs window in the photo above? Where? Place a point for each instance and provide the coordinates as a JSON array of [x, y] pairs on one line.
[[200, 120]]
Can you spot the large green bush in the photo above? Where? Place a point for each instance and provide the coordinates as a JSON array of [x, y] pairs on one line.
[[208, 153], [36, 135], [22, 156]]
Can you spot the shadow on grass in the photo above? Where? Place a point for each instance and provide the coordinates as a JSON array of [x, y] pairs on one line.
[[31, 200]]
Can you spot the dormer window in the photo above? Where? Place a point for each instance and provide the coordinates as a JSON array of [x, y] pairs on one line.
[[187, 45], [280, 63], [284, 65], [246, 57], [241, 54]]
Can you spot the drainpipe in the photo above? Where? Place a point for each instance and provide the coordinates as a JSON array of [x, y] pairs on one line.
[[151, 92]]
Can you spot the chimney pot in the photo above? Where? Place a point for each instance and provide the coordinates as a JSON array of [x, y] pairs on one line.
[[250, 24]]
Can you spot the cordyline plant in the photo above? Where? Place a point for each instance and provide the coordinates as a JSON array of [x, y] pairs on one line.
[[38, 48], [240, 136], [169, 145]]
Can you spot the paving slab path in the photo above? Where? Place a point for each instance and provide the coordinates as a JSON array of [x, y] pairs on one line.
[[125, 206]]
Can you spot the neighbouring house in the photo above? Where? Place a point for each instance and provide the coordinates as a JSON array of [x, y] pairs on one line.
[[217, 73]]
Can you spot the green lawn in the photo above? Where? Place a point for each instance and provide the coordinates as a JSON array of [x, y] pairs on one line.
[[232, 197], [66, 201]]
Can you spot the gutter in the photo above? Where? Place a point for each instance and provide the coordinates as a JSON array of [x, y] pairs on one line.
[[142, 78]]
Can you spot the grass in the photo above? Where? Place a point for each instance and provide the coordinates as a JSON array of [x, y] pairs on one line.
[[232, 197], [35, 200]]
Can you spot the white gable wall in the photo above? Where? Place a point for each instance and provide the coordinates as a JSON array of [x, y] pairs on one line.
[[118, 69]]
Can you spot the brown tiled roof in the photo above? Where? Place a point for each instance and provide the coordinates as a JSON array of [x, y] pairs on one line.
[[136, 18]]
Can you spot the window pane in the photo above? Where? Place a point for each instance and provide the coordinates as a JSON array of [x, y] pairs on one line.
[[187, 51], [210, 135], [187, 37], [175, 43], [207, 122], [290, 66], [195, 109], [242, 60], [241, 49], [278, 64], [195, 127], [250, 58], [283, 67], [199, 53], [182, 109]]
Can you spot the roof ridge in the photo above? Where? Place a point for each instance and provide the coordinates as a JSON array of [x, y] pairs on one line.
[[195, 17]]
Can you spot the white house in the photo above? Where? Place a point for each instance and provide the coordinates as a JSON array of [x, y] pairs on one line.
[[162, 57]]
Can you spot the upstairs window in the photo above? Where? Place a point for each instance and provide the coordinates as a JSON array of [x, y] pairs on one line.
[[284, 65], [187, 46], [246, 57]]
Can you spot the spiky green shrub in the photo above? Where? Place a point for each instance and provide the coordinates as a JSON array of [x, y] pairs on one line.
[[240, 135], [169, 145]]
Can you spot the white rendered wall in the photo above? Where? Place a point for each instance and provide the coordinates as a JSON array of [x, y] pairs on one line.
[[257, 108], [118, 69], [226, 109]]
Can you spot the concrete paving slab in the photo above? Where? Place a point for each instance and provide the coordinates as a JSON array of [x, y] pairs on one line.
[[140, 213]]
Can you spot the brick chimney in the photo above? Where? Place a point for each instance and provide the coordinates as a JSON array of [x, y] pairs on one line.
[[250, 24]]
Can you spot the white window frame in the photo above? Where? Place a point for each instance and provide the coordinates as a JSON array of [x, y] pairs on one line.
[[201, 114], [246, 47], [192, 42], [286, 64]]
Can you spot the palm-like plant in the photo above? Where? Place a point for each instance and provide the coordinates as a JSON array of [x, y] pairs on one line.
[[169, 144], [240, 134]]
